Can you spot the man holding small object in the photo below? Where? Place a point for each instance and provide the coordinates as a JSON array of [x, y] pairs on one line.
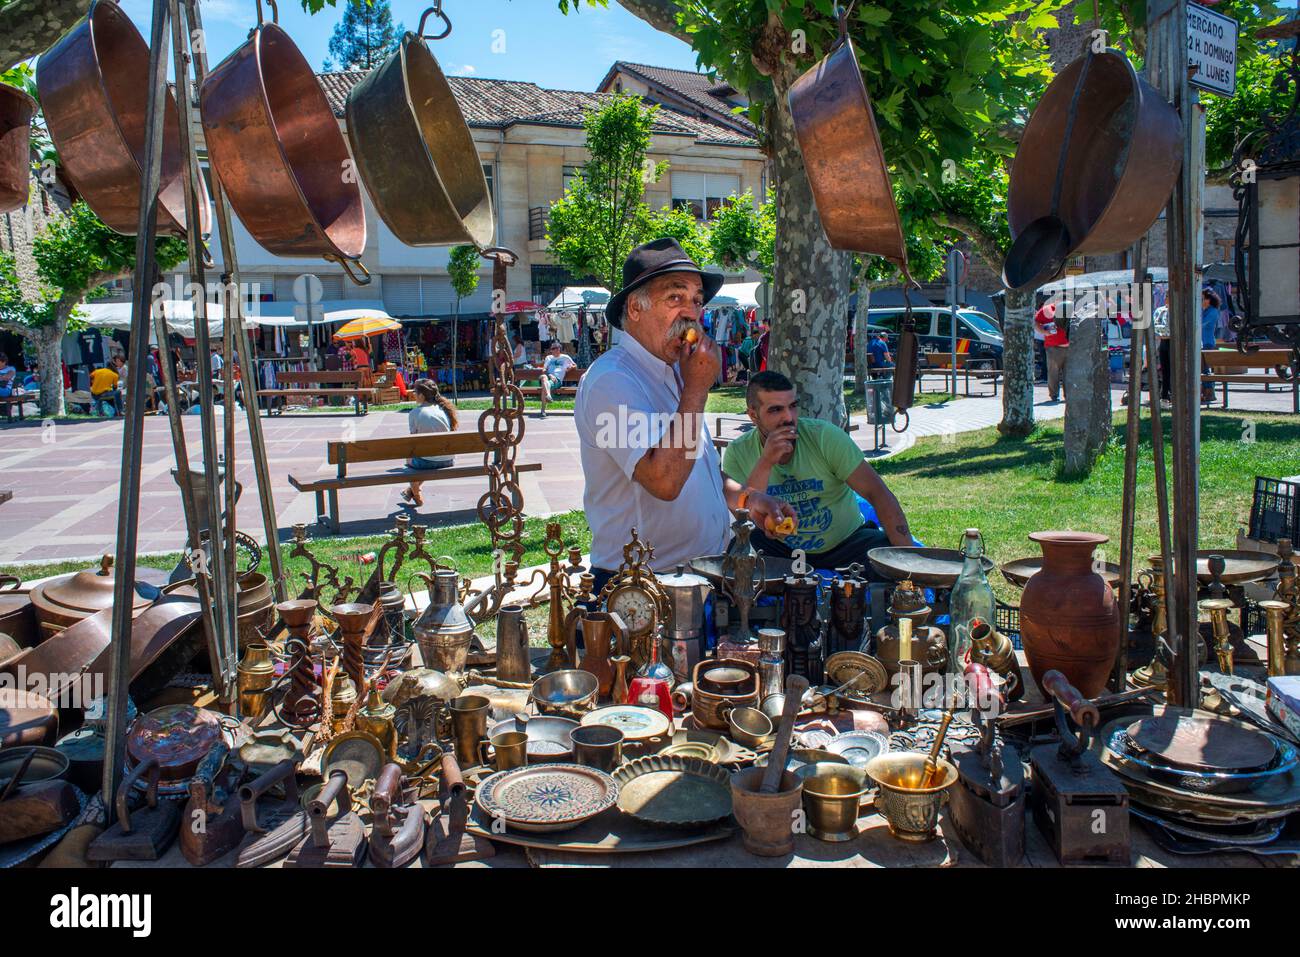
[[815, 467], [647, 456]]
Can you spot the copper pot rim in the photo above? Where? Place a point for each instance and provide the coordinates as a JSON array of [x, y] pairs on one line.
[[20, 95], [1069, 538]]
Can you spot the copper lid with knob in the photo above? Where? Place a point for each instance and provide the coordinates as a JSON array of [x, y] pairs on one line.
[[66, 600]]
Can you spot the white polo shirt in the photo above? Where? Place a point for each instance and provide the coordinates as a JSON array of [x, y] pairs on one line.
[[623, 408]]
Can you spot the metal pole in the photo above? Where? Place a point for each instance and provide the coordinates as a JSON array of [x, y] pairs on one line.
[[234, 317], [128, 501], [1167, 67], [223, 672]]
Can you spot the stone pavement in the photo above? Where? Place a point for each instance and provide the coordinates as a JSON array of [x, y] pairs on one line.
[[64, 475]]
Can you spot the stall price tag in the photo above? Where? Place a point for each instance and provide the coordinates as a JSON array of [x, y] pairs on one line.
[[1212, 50]]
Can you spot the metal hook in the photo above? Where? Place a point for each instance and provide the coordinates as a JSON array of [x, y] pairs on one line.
[[346, 265], [275, 12], [436, 10]]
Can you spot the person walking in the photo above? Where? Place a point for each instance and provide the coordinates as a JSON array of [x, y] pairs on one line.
[[1056, 342], [1210, 303]]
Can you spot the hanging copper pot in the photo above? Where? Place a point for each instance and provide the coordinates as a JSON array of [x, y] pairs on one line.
[[66, 600], [1125, 152], [843, 157], [16, 111], [414, 151], [282, 159], [94, 88]]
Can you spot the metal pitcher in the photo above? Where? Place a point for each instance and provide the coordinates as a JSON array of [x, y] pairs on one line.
[[443, 631], [513, 663]]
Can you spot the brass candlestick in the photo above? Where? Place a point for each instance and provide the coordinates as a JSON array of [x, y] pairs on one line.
[[1288, 591], [1274, 615], [299, 706], [1154, 674], [557, 580], [1217, 609], [353, 619]]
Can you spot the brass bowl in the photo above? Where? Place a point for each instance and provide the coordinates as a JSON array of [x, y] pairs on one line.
[[749, 726], [832, 794], [912, 811], [567, 694]]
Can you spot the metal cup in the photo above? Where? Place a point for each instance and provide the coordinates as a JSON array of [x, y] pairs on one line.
[[598, 746], [910, 688], [509, 750], [469, 714]]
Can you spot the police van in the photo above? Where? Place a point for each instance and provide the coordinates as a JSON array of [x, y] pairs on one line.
[[978, 336]]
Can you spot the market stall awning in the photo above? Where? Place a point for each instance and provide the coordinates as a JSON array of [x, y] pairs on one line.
[[325, 312], [1102, 278], [742, 295], [575, 297], [179, 314]]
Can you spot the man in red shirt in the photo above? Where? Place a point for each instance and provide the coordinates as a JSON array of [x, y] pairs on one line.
[[1055, 344]]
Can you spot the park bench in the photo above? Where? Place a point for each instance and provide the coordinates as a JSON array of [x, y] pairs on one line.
[[357, 384], [721, 441], [14, 403], [573, 375], [1231, 368], [940, 364], [394, 450]]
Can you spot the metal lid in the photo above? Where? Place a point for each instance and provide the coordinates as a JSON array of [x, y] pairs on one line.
[[86, 592], [681, 578], [178, 735]]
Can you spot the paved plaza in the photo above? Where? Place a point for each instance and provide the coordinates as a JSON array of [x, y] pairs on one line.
[[64, 476]]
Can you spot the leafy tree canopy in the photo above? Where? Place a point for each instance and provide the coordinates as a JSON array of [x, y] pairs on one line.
[[462, 267]]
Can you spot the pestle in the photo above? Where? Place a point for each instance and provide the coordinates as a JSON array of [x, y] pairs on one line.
[[795, 686], [932, 760]]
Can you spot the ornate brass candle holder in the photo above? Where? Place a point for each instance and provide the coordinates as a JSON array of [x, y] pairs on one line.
[[1217, 609], [743, 572], [300, 707], [1274, 614], [1288, 591], [353, 619], [558, 581]]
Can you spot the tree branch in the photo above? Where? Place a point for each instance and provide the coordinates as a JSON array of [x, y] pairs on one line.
[[30, 27], [983, 242], [660, 14]]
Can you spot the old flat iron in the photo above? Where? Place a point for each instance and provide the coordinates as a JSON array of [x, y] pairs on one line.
[[143, 834], [398, 832], [1080, 806], [211, 825], [331, 841], [446, 841], [272, 828], [988, 803]]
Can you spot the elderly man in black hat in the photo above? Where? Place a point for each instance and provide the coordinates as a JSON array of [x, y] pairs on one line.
[[647, 456]]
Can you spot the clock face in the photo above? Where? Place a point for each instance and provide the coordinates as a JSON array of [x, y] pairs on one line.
[[635, 607]]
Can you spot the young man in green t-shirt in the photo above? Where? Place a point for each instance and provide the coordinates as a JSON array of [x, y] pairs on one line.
[[817, 468]]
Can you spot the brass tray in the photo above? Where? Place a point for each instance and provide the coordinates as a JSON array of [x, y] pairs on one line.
[[1202, 743], [871, 674], [674, 791], [546, 797], [1021, 570], [1239, 566], [935, 567], [611, 833]]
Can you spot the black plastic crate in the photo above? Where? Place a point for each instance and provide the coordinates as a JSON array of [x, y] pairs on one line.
[[1008, 622], [1275, 511]]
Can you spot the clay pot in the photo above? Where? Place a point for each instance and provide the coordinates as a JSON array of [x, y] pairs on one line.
[[766, 819], [1069, 618]]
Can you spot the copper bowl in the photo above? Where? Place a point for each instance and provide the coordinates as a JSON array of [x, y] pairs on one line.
[[64, 601]]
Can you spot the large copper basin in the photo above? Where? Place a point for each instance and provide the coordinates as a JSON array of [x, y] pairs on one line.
[[94, 88], [278, 149], [16, 109]]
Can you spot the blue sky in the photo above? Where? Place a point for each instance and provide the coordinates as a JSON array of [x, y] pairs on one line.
[[540, 44]]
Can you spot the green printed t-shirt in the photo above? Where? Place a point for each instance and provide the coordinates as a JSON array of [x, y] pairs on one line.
[[813, 482]]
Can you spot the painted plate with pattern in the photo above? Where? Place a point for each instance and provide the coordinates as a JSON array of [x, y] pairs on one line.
[[546, 797], [638, 723]]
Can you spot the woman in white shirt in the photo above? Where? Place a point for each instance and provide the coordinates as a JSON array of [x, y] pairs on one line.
[[433, 414]]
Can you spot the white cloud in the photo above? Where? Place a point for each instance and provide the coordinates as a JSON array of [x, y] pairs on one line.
[[465, 70]]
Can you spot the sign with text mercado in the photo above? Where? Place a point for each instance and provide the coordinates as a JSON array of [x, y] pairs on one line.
[[1212, 50]]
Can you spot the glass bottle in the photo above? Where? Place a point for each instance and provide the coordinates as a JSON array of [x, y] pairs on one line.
[[971, 598], [653, 684]]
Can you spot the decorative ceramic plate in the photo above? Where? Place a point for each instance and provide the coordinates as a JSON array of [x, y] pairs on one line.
[[843, 666], [637, 722], [671, 791], [858, 747], [546, 797]]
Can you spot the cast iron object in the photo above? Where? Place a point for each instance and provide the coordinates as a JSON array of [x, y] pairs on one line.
[[398, 832], [331, 842], [273, 827], [16, 111], [415, 152], [842, 155], [94, 90], [1126, 151], [211, 823], [987, 807], [141, 835], [277, 147], [936, 567], [445, 839], [1080, 805]]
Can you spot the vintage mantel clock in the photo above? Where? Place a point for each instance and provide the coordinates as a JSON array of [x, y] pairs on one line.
[[635, 595]]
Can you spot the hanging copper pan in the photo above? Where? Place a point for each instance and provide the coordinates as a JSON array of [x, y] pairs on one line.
[[415, 153], [282, 159], [94, 88], [16, 111], [842, 155], [1124, 156]]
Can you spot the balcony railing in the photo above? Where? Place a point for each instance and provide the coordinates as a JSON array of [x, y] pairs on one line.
[[537, 222]]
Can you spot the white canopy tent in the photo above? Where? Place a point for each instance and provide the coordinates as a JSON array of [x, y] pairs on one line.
[[742, 295], [575, 297], [179, 314], [325, 312]]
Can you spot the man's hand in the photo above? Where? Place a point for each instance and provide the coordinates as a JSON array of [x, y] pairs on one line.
[[779, 444], [764, 508], [700, 366]]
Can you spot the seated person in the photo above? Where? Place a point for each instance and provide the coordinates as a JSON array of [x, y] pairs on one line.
[[433, 414], [103, 388], [558, 362], [8, 375], [817, 468]]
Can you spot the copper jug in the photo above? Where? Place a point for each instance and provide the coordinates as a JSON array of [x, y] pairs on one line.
[[513, 663], [443, 631], [16, 110], [603, 634]]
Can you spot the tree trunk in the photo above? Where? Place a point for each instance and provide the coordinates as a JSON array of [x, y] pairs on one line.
[[30, 27], [860, 335], [811, 295], [1087, 396], [49, 351], [1018, 364]]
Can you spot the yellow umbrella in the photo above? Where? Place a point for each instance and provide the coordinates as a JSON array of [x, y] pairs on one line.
[[365, 327]]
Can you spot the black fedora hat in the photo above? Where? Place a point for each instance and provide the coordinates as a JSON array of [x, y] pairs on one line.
[[656, 258]]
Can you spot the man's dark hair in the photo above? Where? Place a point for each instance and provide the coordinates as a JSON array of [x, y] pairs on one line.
[[766, 381]]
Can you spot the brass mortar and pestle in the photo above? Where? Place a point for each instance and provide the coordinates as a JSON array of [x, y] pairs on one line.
[[913, 787]]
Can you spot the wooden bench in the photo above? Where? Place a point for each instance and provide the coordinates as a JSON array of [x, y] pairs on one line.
[[15, 401], [573, 375], [357, 384], [720, 441], [399, 449], [1276, 365]]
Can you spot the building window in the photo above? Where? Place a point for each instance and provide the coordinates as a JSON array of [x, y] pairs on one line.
[[487, 174], [703, 193], [570, 174]]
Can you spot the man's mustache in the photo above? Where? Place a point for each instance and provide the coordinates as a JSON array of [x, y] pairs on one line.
[[680, 327]]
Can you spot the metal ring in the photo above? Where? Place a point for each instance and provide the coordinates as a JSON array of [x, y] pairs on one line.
[[907, 420], [436, 10]]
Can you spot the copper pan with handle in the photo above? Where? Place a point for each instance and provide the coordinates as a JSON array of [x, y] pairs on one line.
[[282, 159], [16, 112], [842, 156], [94, 89], [414, 151], [1117, 164]]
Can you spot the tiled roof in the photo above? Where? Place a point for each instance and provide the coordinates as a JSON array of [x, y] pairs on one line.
[[500, 104], [704, 91]]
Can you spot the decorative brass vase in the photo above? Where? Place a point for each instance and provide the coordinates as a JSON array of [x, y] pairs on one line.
[[377, 719], [353, 620], [256, 676], [443, 631]]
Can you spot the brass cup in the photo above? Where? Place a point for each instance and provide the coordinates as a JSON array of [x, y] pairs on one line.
[[911, 811], [749, 726], [832, 794], [598, 746], [469, 714], [509, 750]]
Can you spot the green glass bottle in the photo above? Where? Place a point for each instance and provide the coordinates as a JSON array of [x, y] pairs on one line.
[[972, 597]]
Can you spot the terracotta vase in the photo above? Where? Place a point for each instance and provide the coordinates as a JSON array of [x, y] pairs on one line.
[[1069, 618]]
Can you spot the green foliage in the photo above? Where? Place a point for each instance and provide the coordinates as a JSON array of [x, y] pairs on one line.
[[1264, 92], [462, 267], [741, 236], [603, 215], [681, 225], [364, 37]]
